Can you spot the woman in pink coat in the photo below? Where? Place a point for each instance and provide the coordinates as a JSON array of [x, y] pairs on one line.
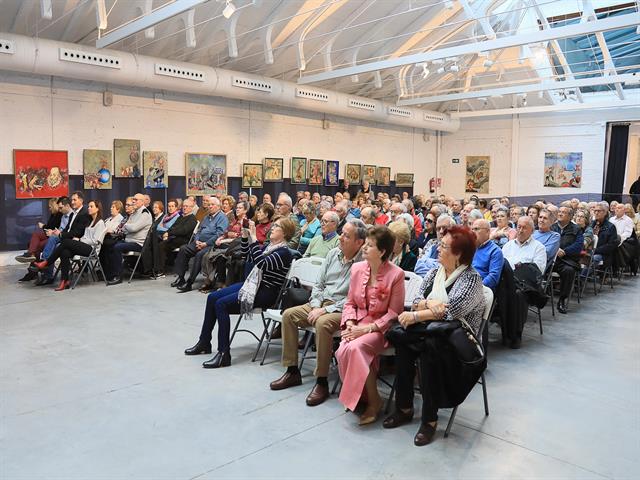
[[375, 299]]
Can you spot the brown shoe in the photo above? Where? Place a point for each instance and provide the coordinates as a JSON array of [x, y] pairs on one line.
[[287, 380], [319, 393], [425, 435], [397, 418]]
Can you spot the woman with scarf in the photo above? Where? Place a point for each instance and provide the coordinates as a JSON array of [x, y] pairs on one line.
[[173, 212], [453, 291], [260, 289]]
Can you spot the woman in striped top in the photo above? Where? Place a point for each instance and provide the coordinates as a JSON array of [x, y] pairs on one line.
[[260, 289]]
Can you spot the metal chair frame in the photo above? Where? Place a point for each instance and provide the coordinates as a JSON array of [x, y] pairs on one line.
[[547, 286], [91, 261]]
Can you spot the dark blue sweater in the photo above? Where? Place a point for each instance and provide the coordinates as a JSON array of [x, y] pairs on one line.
[[488, 262]]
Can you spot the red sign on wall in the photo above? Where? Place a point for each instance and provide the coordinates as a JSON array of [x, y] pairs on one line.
[[41, 173]]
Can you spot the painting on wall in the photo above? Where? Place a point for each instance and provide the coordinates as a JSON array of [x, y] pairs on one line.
[[353, 173], [316, 172], [97, 169], [369, 174], [156, 169], [252, 175], [384, 176], [332, 174], [404, 179], [298, 170], [273, 169], [206, 173], [563, 169], [41, 173], [477, 176], [126, 155]]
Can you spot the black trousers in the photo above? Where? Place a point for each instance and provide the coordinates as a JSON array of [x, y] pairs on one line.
[[65, 251], [186, 253], [567, 276]]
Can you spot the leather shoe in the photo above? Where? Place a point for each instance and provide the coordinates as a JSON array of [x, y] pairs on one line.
[[218, 361], [562, 305], [319, 393], [44, 281], [287, 380], [64, 284], [178, 282], [397, 418], [28, 277], [425, 435], [198, 349], [114, 281], [184, 288], [516, 343]]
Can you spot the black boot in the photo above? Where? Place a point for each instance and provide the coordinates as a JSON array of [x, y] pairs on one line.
[[29, 276], [185, 287], [220, 360], [562, 305], [198, 349], [178, 282]]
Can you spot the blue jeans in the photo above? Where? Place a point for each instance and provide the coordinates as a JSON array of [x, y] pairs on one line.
[[48, 249]]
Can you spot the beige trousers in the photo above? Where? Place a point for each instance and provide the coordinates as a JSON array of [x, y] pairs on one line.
[[325, 326]]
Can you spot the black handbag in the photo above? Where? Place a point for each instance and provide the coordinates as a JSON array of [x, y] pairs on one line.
[[294, 294]]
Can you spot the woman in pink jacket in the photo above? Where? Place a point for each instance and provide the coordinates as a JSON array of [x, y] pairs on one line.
[[375, 299]]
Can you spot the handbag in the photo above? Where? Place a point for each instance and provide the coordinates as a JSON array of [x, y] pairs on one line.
[[294, 294]]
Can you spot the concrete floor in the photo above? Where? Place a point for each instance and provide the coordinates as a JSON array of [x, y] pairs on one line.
[[94, 384]]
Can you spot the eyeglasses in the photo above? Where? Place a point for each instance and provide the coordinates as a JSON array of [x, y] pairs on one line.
[[428, 220], [477, 229], [276, 225], [280, 204], [442, 229], [324, 222]]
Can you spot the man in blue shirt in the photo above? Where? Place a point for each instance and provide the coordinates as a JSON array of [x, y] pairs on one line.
[[544, 234], [488, 259]]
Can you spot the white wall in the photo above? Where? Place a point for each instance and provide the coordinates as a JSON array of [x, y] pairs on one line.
[[70, 116]]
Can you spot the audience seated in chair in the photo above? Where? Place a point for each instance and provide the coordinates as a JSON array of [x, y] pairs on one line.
[[502, 232], [568, 259], [401, 255], [545, 235], [607, 234], [328, 239], [174, 237], [488, 258], [429, 259]]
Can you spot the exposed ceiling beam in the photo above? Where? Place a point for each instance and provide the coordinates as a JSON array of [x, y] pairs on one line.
[[612, 23], [138, 25], [480, 16], [534, 87]]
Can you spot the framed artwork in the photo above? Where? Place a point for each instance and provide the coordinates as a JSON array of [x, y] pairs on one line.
[[353, 173], [563, 169], [384, 176], [273, 169], [252, 175], [333, 172], [126, 155], [404, 179], [206, 173], [97, 169], [156, 169], [477, 176], [316, 172], [41, 173], [298, 170], [369, 174]]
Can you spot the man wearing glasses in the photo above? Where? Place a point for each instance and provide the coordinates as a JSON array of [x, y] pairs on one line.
[[488, 259], [321, 245], [607, 235], [429, 260], [284, 209]]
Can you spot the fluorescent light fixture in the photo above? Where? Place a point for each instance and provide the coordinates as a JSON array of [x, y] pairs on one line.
[[101, 13], [229, 10], [440, 70], [425, 70], [454, 68]]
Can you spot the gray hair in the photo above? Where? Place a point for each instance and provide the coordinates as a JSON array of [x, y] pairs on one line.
[[402, 206], [504, 209], [408, 203], [367, 212], [475, 214], [360, 228], [408, 219], [333, 216], [214, 200], [604, 205], [552, 215], [446, 218], [286, 199]]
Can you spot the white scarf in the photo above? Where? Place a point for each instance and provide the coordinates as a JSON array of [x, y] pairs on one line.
[[247, 293], [440, 283]]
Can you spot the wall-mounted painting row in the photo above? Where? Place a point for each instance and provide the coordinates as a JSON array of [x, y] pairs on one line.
[[563, 169], [41, 173]]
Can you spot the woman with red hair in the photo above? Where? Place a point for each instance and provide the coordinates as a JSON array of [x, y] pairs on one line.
[[453, 291]]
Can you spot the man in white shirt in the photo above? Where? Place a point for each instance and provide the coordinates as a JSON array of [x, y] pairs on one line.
[[623, 224], [524, 248]]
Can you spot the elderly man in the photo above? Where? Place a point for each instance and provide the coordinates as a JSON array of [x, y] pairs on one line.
[[488, 259], [464, 215], [320, 245], [178, 234], [368, 216], [266, 198], [607, 235], [342, 211], [211, 227], [567, 261], [546, 236], [622, 222], [524, 248], [322, 312], [135, 230], [396, 210], [429, 259], [456, 211], [284, 209]]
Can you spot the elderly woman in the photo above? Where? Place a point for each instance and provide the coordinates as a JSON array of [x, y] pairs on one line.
[[69, 247], [264, 214], [374, 301], [453, 291], [583, 220], [502, 232], [309, 226], [401, 255], [228, 206], [260, 289]]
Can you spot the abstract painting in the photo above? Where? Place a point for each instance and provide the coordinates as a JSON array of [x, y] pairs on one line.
[[251, 175], [477, 176], [273, 169], [333, 172], [404, 179], [353, 173], [156, 169], [41, 173], [206, 173], [316, 172], [298, 170], [126, 154], [97, 167], [563, 169], [369, 174], [384, 176]]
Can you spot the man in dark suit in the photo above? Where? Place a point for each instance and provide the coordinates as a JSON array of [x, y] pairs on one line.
[[178, 234]]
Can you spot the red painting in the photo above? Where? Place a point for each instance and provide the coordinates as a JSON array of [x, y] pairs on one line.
[[41, 173]]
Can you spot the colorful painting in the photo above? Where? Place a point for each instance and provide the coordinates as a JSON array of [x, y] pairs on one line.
[[369, 174], [353, 173], [41, 173], [477, 177], [404, 179], [298, 170], [273, 169], [563, 169], [316, 172], [206, 173], [333, 173], [126, 154], [97, 167], [156, 169], [252, 175], [384, 176]]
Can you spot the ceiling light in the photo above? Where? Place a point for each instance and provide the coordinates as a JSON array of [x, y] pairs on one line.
[[440, 70], [454, 68], [229, 10], [488, 63], [425, 70]]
